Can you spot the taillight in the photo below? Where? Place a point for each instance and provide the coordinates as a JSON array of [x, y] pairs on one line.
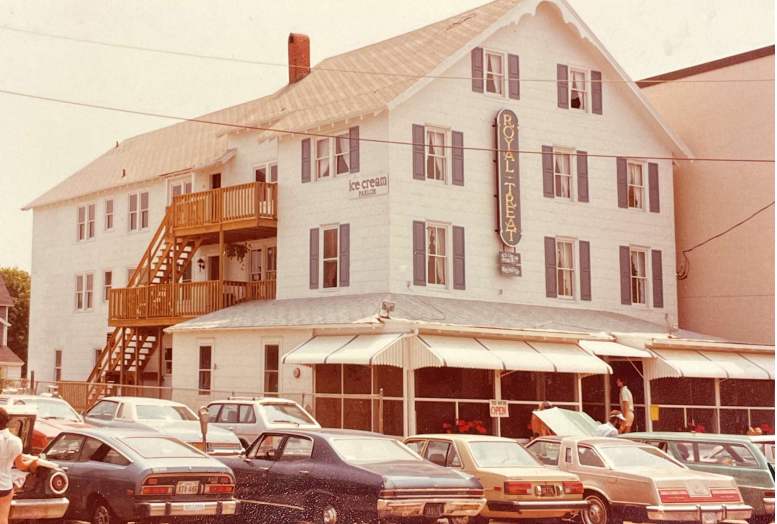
[[769, 494], [156, 490], [674, 496], [517, 488], [387, 494], [218, 488], [573, 488], [725, 495]]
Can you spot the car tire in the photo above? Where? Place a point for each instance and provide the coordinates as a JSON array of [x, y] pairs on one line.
[[599, 512], [103, 514], [760, 519], [329, 512]]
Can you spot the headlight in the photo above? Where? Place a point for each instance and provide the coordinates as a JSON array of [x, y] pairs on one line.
[[58, 483]]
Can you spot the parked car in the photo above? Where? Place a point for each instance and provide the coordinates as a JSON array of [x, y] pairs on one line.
[[54, 415], [517, 485], [766, 444], [119, 475], [627, 480], [734, 455], [41, 493], [166, 417], [249, 417], [337, 476]]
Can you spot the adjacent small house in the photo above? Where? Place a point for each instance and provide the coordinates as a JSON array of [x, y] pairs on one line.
[[10, 363]]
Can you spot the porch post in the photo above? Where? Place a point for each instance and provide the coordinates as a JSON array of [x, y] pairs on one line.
[[221, 268], [160, 359], [498, 396], [648, 402], [717, 407], [174, 261]]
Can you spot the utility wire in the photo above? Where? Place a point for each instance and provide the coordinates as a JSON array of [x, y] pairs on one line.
[[360, 139], [685, 265], [350, 71]]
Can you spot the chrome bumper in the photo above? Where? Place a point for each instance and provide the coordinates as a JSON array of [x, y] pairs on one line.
[[416, 507], [769, 505], [185, 509], [704, 513], [22, 509], [566, 506]]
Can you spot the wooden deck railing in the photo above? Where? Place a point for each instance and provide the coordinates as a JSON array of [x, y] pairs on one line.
[[187, 299], [226, 204]]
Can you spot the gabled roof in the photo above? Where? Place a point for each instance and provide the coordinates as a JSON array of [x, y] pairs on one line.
[[5, 296], [9, 358], [328, 94]]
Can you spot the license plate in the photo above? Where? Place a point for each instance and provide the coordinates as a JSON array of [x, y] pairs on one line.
[[194, 506], [547, 491], [187, 487], [433, 510], [709, 518]]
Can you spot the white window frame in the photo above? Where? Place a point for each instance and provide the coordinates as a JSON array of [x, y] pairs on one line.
[[278, 372], [179, 181], [572, 173], [336, 258], [84, 294], [503, 56], [572, 271], [330, 157], [110, 217], [139, 212], [81, 226], [586, 87], [58, 364], [89, 225], [644, 171], [447, 256], [271, 274], [646, 278], [107, 287], [446, 155], [212, 345], [261, 272]]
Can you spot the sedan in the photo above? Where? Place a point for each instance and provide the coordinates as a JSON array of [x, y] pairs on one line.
[[54, 415], [517, 485], [335, 476], [121, 475], [165, 416], [626, 480]]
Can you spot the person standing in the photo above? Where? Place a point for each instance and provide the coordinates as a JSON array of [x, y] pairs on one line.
[[10, 454], [627, 406]]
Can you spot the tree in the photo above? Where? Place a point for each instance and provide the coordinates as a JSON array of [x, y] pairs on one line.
[[18, 283]]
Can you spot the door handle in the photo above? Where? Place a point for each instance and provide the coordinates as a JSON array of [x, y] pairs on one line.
[[264, 468], [64, 468], [304, 472]]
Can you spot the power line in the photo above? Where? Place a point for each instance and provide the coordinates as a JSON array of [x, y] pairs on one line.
[[685, 266], [350, 71], [360, 139]]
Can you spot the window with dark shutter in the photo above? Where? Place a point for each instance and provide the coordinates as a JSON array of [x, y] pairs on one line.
[[622, 180], [596, 92], [477, 70], [582, 176], [513, 77], [584, 248], [457, 142], [353, 148], [459, 268], [562, 75], [419, 253], [550, 267], [547, 172], [418, 152], [345, 255], [314, 258], [655, 195], [306, 160], [625, 263], [658, 278]]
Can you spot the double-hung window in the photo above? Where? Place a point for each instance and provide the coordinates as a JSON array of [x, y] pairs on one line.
[[168, 362], [57, 365], [639, 279], [436, 154], [138, 211], [206, 369], [437, 255], [86, 222], [109, 214], [271, 369], [272, 262], [495, 73], [565, 268], [84, 292], [330, 256], [333, 156], [562, 169], [322, 158], [107, 284], [342, 153], [256, 265], [636, 185], [577, 90]]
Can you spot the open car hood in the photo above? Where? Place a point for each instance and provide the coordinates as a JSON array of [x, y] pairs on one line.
[[567, 423], [21, 423]]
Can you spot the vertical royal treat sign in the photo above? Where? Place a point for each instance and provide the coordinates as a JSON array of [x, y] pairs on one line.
[[508, 178]]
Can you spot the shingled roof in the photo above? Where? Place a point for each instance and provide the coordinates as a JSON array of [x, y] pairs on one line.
[[321, 97], [5, 296]]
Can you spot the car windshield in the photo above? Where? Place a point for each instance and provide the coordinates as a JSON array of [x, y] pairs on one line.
[[365, 450], [501, 454], [161, 447], [637, 457], [286, 413], [162, 412], [53, 409]]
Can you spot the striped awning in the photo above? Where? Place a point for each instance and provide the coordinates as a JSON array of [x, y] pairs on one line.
[[680, 363], [604, 348], [504, 355], [384, 349]]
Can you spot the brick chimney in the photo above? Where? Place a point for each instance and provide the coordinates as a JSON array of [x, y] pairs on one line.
[[299, 57]]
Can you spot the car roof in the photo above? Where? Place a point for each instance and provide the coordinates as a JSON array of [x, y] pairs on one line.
[[669, 435], [329, 433], [146, 401], [762, 438], [466, 437]]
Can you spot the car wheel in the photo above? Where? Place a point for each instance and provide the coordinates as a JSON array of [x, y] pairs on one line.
[[599, 511], [103, 514], [330, 513]]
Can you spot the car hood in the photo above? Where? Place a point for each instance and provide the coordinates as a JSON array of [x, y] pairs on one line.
[[189, 430], [538, 474], [419, 475], [567, 423], [53, 427]]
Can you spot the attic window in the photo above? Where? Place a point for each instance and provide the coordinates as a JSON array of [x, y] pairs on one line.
[[577, 89]]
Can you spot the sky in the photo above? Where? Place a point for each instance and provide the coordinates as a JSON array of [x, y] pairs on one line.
[[42, 143]]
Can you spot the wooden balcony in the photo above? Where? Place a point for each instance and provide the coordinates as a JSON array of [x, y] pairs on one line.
[[252, 205], [168, 304]]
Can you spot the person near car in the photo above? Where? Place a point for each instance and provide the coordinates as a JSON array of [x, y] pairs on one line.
[[610, 430], [10, 454], [538, 427], [627, 406]]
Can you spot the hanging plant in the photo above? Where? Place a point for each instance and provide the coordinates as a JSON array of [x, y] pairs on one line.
[[236, 251]]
